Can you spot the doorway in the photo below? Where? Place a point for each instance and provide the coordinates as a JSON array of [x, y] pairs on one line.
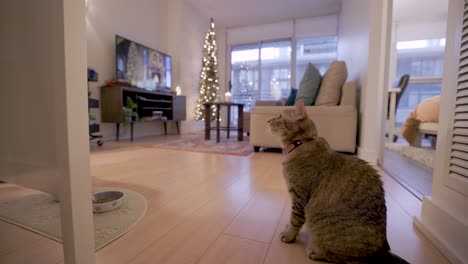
[[417, 50]]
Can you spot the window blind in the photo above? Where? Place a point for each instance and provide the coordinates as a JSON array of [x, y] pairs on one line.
[[459, 152]]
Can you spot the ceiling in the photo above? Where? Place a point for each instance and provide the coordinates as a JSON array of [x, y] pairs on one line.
[[237, 13]]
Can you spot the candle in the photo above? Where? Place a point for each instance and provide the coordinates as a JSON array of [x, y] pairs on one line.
[[227, 97]]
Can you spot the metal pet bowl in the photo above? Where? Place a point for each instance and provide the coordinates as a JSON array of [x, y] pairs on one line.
[[107, 200]]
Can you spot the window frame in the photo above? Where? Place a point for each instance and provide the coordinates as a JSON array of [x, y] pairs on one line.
[[293, 67], [415, 79], [258, 44]]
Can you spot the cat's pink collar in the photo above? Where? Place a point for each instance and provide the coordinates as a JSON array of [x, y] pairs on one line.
[[294, 145]]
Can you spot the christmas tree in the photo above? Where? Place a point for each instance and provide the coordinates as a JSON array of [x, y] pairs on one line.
[[209, 87]]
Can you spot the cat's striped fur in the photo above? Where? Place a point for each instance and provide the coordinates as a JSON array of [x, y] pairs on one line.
[[339, 197]]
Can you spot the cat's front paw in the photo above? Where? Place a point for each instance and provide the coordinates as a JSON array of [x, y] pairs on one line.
[[288, 235], [287, 238], [310, 253]]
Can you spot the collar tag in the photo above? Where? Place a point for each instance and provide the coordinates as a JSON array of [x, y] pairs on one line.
[[294, 145]]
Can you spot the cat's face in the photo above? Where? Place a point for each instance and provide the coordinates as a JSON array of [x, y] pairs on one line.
[[282, 123], [293, 124]]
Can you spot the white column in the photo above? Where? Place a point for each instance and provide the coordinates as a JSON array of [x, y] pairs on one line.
[[44, 143], [444, 216], [72, 141]]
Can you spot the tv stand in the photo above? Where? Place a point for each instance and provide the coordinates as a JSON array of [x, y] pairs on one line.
[[117, 128], [167, 106]]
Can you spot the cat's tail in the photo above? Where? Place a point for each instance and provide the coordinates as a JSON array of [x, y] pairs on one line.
[[388, 258]]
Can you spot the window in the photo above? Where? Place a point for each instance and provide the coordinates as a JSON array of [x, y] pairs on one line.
[[275, 61], [423, 60], [262, 71], [319, 51], [244, 74]]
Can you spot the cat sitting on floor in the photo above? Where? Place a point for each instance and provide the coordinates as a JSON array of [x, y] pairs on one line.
[[340, 198]]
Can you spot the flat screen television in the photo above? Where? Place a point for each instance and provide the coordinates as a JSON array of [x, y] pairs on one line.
[[141, 66]]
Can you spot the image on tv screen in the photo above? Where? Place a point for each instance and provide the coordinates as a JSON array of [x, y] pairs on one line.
[[141, 66]]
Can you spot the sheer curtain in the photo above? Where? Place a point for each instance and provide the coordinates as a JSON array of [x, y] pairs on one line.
[[244, 74], [275, 70]]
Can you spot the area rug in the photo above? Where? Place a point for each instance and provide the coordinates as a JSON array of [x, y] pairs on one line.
[[421, 155], [196, 142], [41, 214]]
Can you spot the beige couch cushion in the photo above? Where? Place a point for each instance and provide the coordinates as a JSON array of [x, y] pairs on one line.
[[428, 110], [330, 89], [348, 94]]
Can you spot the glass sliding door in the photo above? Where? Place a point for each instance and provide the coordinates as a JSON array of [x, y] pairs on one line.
[[262, 71], [275, 70], [244, 74], [423, 60], [412, 165]]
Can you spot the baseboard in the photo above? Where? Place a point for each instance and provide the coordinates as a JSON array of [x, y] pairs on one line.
[[445, 231], [368, 155]]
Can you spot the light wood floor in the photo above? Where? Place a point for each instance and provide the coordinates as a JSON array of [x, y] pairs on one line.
[[205, 208], [415, 177]]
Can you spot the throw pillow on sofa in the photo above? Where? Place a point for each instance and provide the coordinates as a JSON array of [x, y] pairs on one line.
[[292, 97], [309, 86], [330, 89]]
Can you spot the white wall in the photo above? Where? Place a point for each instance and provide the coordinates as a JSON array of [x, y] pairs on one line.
[[28, 72], [444, 216], [144, 21], [187, 29], [363, 43], [362, 38], [353, 39], [428, 29]]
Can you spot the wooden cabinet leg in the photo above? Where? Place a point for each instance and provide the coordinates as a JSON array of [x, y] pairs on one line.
[[165, 128], [240, 123], [177, 126], [207, 122], [228, 120], [117, 128], [217, 123]]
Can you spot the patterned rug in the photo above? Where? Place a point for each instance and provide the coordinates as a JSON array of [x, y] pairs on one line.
[[196, 142], [422, 155], [40, 213]]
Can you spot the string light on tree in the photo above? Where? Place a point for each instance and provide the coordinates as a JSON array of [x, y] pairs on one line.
[[208, 83]]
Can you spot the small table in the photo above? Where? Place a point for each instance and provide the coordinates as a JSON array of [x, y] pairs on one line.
[[239, 128]]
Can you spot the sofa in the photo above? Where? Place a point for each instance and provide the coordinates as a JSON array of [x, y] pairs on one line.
[[246, 119], [336, 123]]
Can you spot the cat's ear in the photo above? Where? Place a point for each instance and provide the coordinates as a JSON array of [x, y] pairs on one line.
[[301, 112]]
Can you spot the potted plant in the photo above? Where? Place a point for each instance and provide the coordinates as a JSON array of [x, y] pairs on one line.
[[130, 111]]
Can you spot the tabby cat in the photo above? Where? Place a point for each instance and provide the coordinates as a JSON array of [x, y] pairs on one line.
[[339, 197]]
